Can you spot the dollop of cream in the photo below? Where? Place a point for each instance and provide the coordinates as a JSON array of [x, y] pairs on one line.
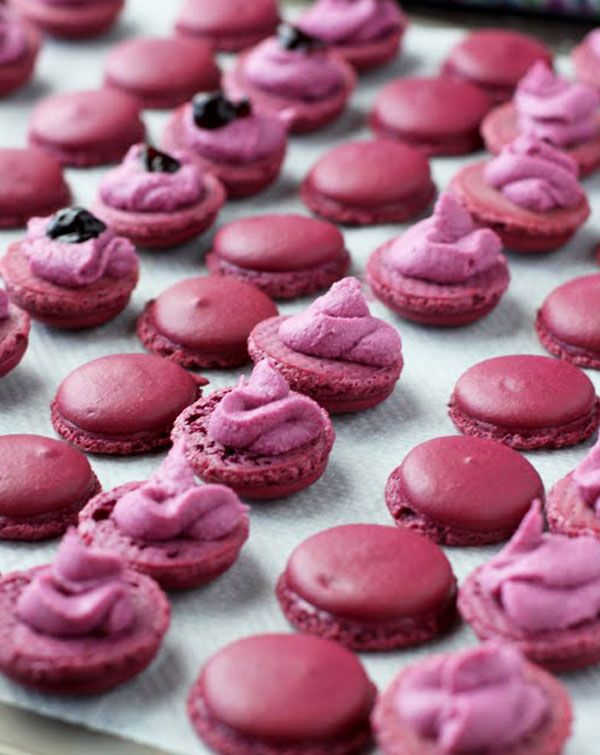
[[351, 21]]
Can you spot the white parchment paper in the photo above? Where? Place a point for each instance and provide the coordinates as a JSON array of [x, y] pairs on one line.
[[369, 445]]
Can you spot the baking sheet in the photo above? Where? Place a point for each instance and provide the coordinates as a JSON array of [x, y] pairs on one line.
[[369, 445]]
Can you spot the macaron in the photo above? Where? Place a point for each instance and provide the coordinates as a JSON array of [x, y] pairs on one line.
[[93, 416], [368, 587], [568, 322], [43, 486], [495, 60], [526, 401], [19, 50], [31, 183], [14, 334], [162, 72], [194, 323], [66, 20], [369, 182], [86, 128], [285, 255], [228, 25], [282, 694], [585, 58], [437, 115], [462, 490]]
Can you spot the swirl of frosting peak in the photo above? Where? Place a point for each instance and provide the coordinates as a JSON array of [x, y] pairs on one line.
[[172, 505], [77, 265], [351, 21], [263, 416], [476, 700], [3, 304], [543, 581], [552, 108], [338, 325], [13, 37], [131, 187], [587, 478], [447, 247], [83, 592], [534, 175], [293, 74]]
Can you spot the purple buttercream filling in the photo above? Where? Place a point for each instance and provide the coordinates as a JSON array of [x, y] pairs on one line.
[[351, 21]]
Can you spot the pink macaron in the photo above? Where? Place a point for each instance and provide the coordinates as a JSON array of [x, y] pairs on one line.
[[495, 60], [228, 25], [70, 20], [443, 271], [369, 182], [337, 585], [438, 115], [158, 200], [194, 323], [586, 59], [162, 72], [86, 128], [462, 490], [285, 255], [19, 47], [282, 694], [89, 413], [14, 334], [526, 401], [258, 438]]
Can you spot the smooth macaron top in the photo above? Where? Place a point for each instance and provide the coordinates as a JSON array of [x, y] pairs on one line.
[[212, 314], [369, 572], [571, 312], [497, 56], [29, 179], [287, 688], [40, 476], [122, 394], [472, 483], [525, 391], [435, 107], [279, 243], [370, 173], [152, 65], [228, 16], [86, 117]]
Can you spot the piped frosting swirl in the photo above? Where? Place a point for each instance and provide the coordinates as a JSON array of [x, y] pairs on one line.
[[587, 478], [351, 21], [3, 304]]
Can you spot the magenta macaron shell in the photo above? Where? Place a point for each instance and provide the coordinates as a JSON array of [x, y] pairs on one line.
[[282, 694], [438, 115], [568, 322], [526, 401], [365, 56], [18, 72], [14, 338], [204, 321], [68, 20], [520, 229], [286, 256], [43, 485], [369, 587], [229, 25], [568, 513], [462, 490], [369, 182], [93, 416], [500, 127], [162, 72], [176, 564], [86, 128]]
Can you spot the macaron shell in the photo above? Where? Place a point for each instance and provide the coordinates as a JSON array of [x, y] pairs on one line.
[[228, 17], [14, 338], [568, 513], [367, 56], [17, 73], [70, 21]]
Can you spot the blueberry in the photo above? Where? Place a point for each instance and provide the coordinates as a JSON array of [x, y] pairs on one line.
[[292, 38], [155, 161], [212, 110], [74, 225]]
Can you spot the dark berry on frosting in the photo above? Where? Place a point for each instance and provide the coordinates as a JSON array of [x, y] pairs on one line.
[[243, 108], [292, 38], [155, 161], [213, 110], [74, 225]]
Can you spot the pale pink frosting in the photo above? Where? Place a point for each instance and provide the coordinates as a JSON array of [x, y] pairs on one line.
[[293, 74], [77, 265], [83, 592], [447, 247], [593, 41], [14, 43], [552, 108], [132, 187], [339, 325], [77, 2], [587, 478], [171, 505], [241, 141], [3, 304], [263, 416], [543, 581], [351, 21], [475, 700], [534, 175]]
